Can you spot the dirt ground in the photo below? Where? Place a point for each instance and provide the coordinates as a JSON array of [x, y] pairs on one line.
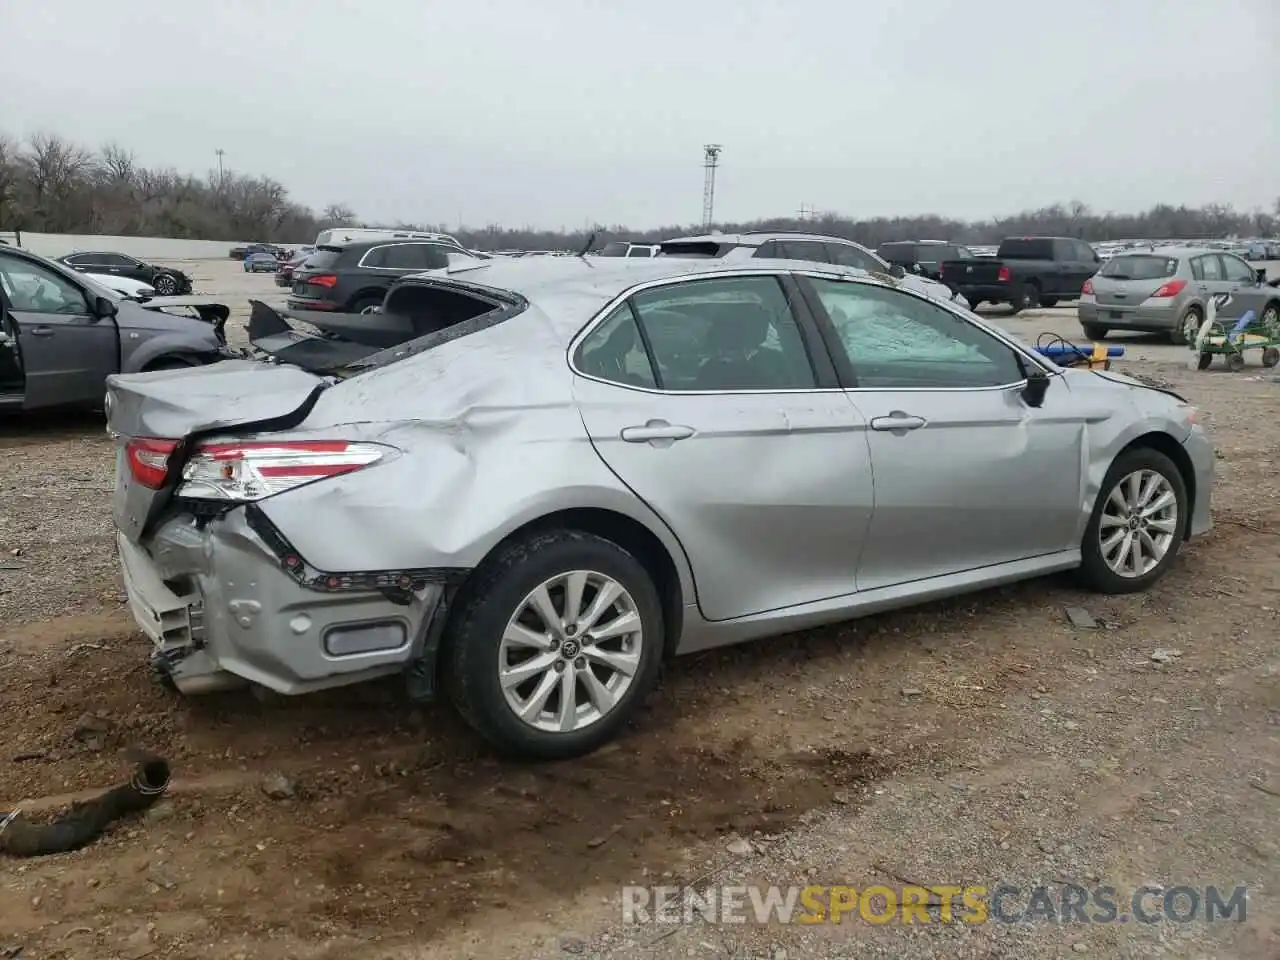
[[981, 740]]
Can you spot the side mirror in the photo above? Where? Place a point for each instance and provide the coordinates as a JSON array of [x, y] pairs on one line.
[[896, 271], [1037, 386], [103, 308]]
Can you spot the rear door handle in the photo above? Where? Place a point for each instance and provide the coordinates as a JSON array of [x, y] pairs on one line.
[[656, 430], [42, 331], [897, 421]]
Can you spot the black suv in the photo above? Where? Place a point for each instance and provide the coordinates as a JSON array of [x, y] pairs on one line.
[[354, 277], [166, 281], [926, 255]]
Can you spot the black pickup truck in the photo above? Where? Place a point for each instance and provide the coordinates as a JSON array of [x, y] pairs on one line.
[[1026, 272]]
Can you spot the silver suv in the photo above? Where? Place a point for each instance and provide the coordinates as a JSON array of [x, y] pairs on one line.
[[810, 247]]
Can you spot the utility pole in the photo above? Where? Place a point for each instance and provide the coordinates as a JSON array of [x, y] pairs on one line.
[[805, 212], [710, 161], [220, 152]]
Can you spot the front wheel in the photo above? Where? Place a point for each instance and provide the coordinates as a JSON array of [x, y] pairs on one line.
[[553, 645], [1138, 523], [166, 284]]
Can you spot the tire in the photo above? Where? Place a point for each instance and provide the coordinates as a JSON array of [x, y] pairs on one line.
[[1184, 332], [362, 304], [1235, 362], [1095, 331], [1095, 571], [1271, 320], [1027, 297], [1048, 301], [1203, 361], [166, 284], [1270, 356], [475, 652]]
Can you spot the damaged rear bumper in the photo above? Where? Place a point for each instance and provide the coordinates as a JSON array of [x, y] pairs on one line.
[[223, 607]]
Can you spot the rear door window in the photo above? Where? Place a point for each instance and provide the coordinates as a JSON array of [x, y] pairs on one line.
[[1206, 267], [727, 334], [415, 256]]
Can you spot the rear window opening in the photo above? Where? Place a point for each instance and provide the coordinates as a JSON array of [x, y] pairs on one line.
[[615, 248], [1140, 268], [433, 309], [706, 249]]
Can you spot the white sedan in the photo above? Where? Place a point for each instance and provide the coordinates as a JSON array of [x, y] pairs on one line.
[[133, 289]]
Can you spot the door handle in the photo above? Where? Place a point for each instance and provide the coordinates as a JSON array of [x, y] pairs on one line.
[[656, 430], [42, 331], [897, 422]]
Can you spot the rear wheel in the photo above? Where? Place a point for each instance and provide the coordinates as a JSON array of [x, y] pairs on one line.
[[1203, 361], [1095, 331], [553, 645], [1186, 329], [1138, 523], [1235, 362], [366, 304], [1027, 297], [1049, 301]]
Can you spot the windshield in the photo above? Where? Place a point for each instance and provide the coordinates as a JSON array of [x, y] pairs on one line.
[[1140, 268]]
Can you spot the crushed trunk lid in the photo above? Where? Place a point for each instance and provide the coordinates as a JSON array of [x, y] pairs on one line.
[[183, 405]]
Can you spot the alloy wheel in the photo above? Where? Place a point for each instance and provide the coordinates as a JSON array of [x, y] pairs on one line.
[[1139, 523], [571, 651], [165, 285]]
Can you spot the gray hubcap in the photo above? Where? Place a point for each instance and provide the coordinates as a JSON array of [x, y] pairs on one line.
[[1139, 523], [165, 285], [570, 652]]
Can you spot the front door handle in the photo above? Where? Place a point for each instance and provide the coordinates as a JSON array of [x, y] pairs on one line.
[[42, 331], [897, 421], [656, 430]]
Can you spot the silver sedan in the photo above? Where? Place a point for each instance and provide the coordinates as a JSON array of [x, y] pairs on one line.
[[1167, 290], [573, 469]]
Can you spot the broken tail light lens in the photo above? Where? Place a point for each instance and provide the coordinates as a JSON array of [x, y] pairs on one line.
[[1170, 289], [245, 471], [148, 460], [1087, 289]]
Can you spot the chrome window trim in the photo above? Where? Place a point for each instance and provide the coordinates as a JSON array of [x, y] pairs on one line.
[[600, 316]]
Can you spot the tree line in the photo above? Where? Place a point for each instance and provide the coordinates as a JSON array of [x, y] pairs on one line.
[[49, 184]]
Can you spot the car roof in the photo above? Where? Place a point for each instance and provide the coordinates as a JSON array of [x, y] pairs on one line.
[[571, 290], [755, 238]]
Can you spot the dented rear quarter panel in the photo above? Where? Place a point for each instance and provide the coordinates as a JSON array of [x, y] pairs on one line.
[[490, 440]]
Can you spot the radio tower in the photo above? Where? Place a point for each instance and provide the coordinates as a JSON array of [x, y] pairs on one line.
[[711, 160]]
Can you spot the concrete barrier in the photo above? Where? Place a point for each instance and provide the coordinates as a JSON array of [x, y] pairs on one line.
[[144, 248]]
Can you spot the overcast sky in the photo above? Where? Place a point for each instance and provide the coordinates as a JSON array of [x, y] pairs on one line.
[[552, 112]]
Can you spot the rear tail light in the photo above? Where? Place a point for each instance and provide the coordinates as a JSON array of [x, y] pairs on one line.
[[1087, 289], [149, 460], [323, 280], [1170, 289], [252, 470], [1003, 275]]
